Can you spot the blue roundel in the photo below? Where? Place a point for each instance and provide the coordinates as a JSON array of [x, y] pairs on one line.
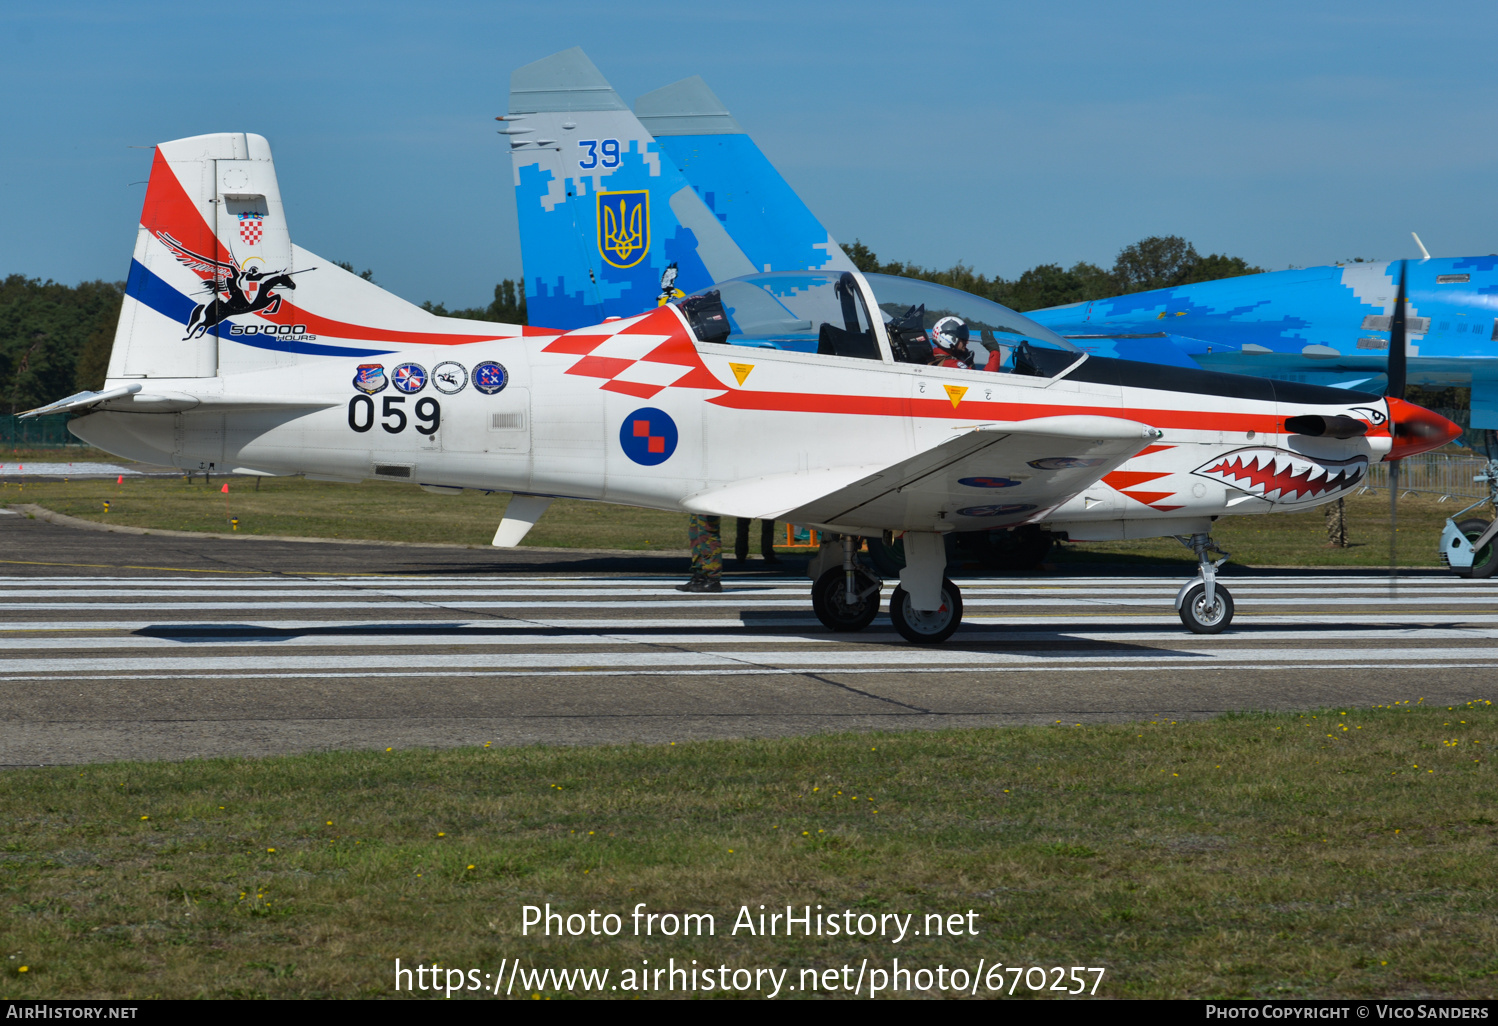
[[988, 482], [996, 511], [490, 377], [409, 378], [648, 436]]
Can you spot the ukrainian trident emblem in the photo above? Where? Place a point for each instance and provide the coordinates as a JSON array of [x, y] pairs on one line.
[[624, 227]]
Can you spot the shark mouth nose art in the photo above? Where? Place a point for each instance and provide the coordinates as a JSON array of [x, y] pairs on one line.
[[1282, 476]]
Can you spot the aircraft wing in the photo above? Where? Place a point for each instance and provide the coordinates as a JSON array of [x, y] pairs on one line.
[[990, 475]]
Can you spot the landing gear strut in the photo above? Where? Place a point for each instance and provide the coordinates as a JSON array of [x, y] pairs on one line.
[[926, 608], [846, 597], [1204, 605]]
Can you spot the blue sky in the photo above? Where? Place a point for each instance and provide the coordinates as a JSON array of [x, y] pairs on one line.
[[1000, 134]]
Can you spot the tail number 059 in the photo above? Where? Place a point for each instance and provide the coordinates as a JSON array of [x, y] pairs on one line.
[[361, 414]]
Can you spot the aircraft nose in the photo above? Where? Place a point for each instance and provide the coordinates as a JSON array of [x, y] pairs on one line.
[[1416, 429]]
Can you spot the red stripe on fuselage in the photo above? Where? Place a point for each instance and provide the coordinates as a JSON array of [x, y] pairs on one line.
[[969, 411]]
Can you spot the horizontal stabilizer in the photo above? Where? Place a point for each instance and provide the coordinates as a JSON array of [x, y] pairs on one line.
[[81, 401]]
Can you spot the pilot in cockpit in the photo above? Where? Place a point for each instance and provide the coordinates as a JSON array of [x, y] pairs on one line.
[[949, 338]]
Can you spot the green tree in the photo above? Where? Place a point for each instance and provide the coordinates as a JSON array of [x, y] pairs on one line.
[[366, 274], [54, 339], [508, 306]]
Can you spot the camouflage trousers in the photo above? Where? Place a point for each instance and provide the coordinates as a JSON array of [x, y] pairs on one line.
[[1336, 523], [707, 546]]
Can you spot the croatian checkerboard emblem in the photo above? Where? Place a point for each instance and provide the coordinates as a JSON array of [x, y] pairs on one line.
[[251, 227], [648, 436]]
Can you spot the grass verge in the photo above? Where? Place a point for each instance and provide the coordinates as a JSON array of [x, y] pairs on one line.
[[382, 511], [1348, 852]]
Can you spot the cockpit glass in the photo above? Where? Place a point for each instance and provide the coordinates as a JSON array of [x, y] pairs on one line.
[[931, 323], [805, 312]]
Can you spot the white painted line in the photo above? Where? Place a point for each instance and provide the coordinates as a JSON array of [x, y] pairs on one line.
[[906, 657], [840, 671]]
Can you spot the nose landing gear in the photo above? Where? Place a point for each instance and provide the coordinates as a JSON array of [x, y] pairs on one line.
[[1204, 605], [846, 597]]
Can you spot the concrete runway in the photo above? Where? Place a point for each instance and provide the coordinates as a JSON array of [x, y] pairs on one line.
[[145, 647]]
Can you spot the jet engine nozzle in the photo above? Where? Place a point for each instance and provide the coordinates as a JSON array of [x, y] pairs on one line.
[[1416, 429]]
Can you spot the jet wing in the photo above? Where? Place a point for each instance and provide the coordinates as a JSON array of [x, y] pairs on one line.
[[991, 475]]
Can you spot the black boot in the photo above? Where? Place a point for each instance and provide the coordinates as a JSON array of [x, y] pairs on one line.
[[700, 584]]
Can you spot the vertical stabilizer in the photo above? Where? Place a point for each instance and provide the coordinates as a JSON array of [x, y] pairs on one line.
[[601, 214], [735, 180], [216, 286]]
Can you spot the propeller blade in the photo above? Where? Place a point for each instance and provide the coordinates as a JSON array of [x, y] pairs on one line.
[[1397, 341], [1397, 365]]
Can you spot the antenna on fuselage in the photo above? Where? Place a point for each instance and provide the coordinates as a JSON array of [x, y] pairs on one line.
[[1424, 253]]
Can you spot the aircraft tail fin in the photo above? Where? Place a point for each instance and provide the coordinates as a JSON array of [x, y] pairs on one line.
[[216, 286], [736, 181], [602, 216]]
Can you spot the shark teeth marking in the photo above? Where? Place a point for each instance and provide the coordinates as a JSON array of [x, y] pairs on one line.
[[1281, 476]]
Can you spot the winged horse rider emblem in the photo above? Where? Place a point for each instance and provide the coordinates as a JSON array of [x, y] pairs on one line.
[[236, 290]]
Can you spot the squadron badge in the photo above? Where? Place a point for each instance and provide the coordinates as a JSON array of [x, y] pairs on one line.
[[490, 377], [409, 378], [370, 378], [449, 377]]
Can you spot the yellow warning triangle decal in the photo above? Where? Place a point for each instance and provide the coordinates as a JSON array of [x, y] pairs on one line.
[[955, 393], [741, 370]]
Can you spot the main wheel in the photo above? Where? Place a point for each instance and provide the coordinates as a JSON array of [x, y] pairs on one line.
[[1200, 618], [829, 600], [1485, 559], [922, 627]]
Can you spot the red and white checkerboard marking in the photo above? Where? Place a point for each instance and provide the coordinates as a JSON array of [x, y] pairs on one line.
[[640, 356], [251, 228], [653, 443]]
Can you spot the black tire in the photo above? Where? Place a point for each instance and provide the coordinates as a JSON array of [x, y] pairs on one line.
[[829, 600], [1485, 559], [1200, 620], [927, 628]]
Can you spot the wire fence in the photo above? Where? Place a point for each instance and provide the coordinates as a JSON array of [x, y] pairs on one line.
[[1448, 477], [37, 433]]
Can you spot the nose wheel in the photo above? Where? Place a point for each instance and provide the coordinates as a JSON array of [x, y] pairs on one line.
[[1204, 605], [1202, 616]]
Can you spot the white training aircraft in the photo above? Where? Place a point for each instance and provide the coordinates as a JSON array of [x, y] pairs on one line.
[[806, 396]]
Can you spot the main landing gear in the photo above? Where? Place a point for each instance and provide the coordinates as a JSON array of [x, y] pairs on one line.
[[925, 608], [1205, 606]]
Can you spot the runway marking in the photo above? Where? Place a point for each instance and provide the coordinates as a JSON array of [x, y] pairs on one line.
[[729, 672], [902, 657]]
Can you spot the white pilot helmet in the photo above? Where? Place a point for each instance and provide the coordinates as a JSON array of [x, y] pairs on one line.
[[950, 332]]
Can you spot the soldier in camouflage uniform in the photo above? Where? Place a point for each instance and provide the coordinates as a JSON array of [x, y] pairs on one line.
[[707, 554], [1336, 524]]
